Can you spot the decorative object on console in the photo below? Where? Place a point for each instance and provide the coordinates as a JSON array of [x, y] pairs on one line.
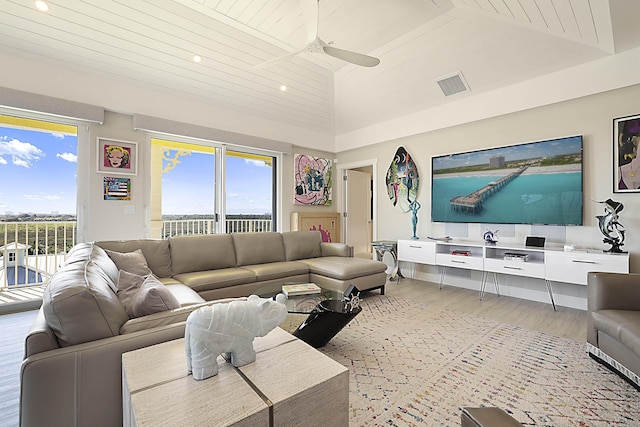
[[612, 230], [535, 241], [402, 180], [414, 207], [491, 237], [515, 256], [228, 329], [312, 179], [626, 137]]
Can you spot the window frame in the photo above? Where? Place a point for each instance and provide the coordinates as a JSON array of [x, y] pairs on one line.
[[220, 154]]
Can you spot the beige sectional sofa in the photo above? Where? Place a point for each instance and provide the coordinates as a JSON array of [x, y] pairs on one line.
[[71, 375], [613, 322]]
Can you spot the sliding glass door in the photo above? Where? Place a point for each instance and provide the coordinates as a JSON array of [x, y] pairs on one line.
[[200, 188]]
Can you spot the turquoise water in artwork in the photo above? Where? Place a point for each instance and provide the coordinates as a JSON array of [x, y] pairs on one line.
[[554, 198]]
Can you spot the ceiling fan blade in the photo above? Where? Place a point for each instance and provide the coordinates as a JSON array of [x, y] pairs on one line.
[[311, 16], [353, 57]]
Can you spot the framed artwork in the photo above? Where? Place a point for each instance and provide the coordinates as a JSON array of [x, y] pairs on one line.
[[626, 171], [117, 157], [403, 181], [115, 188], [312, 180]]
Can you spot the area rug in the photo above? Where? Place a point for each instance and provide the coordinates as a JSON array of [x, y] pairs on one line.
[[413, 365]]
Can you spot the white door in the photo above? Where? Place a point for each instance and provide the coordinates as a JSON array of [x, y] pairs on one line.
[[358, 210]]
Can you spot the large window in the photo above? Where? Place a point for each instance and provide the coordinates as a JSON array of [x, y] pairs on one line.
[[38, 173], [202, 189], [39, 160]]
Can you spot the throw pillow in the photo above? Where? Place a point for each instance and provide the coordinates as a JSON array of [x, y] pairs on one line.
[[131, 262], [144, 295]]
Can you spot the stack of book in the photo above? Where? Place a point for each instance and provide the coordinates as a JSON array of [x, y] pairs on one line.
[[461, 252], [514, 256], [300, 289]]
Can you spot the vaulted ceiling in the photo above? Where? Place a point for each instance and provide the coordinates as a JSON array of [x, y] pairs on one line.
[[491, 43]]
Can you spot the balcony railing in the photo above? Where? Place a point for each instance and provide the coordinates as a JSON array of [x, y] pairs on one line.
[[185, 227], [31, 252]]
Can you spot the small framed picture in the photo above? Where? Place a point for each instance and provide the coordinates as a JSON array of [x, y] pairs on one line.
[[117, 157], [626, 138], [115, 188]]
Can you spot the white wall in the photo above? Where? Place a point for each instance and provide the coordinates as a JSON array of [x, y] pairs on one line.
[[101, 219], [590, 116]]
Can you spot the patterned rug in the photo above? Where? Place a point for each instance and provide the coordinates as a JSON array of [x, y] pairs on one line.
[[412, 365]]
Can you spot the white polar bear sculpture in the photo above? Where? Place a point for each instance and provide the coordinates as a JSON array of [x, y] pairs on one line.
[[229, 329]]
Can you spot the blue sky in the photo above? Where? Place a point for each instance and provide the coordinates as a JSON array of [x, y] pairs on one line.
[[38, 174], [514, 152], [189, 188]]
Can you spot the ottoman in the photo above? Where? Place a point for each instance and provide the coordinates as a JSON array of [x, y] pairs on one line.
[[487, 417]]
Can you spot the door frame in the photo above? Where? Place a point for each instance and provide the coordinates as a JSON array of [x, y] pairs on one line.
[[343, 199]]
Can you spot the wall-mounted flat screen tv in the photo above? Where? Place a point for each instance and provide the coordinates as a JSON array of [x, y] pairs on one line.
[[532, 183]]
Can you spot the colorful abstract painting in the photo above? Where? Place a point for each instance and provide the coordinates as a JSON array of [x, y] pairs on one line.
[[117, 188], [312, 178], [402, 180]]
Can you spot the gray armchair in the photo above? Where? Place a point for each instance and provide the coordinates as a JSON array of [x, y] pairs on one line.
[[613, 334]]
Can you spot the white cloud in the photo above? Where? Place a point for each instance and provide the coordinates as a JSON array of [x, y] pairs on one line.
[[41, 197], [20, 162], [22, 153], [255, 162], [69, 157], [57, 135], [2, 161]]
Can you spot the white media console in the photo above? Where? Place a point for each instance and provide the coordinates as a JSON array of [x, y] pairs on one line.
[[548, 264]]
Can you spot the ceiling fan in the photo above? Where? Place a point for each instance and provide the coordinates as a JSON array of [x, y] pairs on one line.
[[311, 15]]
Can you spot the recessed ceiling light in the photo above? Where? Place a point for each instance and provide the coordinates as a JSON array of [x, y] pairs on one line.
[[42, 5], [197, 59], [283, 88]]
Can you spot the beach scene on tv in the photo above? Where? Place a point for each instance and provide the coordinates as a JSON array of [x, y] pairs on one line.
[[532, 183]]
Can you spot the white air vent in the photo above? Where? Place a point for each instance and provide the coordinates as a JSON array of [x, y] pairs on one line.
[[451, 85]]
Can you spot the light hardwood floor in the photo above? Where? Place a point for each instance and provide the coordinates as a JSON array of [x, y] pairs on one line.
[[566, 322]]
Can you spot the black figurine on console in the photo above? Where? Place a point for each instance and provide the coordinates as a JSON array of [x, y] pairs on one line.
[[612, 230]]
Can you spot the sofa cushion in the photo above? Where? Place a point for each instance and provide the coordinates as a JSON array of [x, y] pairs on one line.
[[168, 317], [344, 268], [215, 279], [277, 270], [156, 252], [201, 253], [131, 262], [79, 302], [184, 294], [144, 295], [302, 244], [258, 248], [82, 252]]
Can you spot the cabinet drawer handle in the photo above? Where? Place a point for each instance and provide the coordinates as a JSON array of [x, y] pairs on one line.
[[582, 261], [459, 262], [512, 268], [415, 247]]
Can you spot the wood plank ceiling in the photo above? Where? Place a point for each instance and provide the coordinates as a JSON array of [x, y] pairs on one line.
[[152, 42]]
